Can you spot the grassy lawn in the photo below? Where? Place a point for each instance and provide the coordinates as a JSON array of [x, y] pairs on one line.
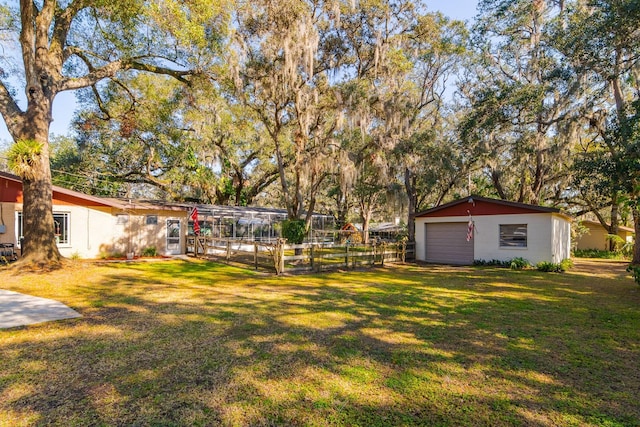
[[194, 343]]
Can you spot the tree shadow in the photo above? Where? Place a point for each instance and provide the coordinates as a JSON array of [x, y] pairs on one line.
[[203, 344]]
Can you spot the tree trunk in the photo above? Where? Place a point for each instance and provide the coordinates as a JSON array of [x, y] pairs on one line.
[[39, 246], [365, 215], [411, 193], [614, 227], [636, 243]]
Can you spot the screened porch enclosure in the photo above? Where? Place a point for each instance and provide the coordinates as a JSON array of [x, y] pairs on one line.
[[248, 223]]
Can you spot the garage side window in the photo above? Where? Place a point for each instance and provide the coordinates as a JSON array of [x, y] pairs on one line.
[[513, 235]]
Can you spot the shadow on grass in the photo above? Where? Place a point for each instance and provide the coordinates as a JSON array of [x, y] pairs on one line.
[[204, 344]]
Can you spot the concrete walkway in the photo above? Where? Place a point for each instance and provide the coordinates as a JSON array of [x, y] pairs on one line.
[[18, 309]]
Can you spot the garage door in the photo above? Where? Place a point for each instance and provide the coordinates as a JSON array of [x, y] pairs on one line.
[[446, 243]]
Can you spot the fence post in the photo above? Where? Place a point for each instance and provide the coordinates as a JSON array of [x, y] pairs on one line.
[[373, 253], [311, 255], [281, 255], [384, 251], [228, 249], [346, 255], [255, 255]]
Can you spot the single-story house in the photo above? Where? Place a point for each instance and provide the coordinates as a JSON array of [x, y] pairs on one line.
[[90, 227], [595, 236], [478, 228]]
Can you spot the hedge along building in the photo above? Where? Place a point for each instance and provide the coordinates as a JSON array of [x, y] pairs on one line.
[[90, 227], [478, 228]]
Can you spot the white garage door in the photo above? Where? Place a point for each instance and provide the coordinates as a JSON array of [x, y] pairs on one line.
[[446, 243]]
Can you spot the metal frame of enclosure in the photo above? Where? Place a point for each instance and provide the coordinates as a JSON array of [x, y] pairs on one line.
[[247, 223]]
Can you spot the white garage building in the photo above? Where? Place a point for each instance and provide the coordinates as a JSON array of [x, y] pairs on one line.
[[478, 228]]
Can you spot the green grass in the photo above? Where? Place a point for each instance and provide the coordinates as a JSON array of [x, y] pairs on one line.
[[195, 343]]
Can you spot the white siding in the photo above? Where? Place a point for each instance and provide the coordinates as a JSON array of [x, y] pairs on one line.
[[88, 230], [548, 236], [561, 248], [94, 232]]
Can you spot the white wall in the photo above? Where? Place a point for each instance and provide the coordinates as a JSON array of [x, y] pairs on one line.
[[561, 245], [541, 245], [8, 214], [88, 230], [94, 232]]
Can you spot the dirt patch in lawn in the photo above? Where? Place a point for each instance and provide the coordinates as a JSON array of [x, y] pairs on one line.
[[600, 267]]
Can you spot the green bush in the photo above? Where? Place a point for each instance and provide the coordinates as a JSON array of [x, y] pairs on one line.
[[519, 263], [566, 264], [514, 264], [491, 263], [600, 254], [294, 230], [553, 267], [150, 251], [635, 272]]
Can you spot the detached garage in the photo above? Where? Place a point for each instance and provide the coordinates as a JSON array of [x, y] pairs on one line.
[[478, 228]]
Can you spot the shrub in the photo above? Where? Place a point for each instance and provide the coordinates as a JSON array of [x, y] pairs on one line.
[[566, 264], [491, 263], [150, 251], [553, 267], [519, 263], [600, 254], [294, 230], [548, 267], [514, 264], [635, 272]]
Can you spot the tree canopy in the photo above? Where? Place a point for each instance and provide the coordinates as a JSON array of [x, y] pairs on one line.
[[371, 110]]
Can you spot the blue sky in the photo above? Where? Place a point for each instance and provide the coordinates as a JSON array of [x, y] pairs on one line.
[[65, 103]]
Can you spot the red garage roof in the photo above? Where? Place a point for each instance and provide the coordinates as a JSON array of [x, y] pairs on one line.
[[476, 205]]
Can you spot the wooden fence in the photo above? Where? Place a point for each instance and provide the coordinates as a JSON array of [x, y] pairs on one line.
[[280, 257]]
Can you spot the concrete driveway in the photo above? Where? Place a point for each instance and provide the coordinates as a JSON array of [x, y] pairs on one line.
[[18, 309]]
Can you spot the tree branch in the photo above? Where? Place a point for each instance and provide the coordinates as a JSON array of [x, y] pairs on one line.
[[63, 19], [27, 37], [110, 69], [43, 22], [8, 108]]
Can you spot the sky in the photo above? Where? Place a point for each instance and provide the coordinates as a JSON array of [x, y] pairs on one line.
[[64, 104]]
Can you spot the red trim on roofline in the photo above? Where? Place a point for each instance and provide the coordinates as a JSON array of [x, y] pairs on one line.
[[63, 195], [476, 206]]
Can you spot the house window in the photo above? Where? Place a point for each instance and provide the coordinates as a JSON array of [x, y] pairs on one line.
[[122, 219], [513, 235], [60, 227], [152, 219]]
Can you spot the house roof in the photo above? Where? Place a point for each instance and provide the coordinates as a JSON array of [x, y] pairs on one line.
[[136, 204], [69, 193], [476, 205], [597, 223]]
